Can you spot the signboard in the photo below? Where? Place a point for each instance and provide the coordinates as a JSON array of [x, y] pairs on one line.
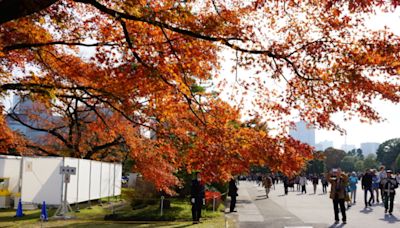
[[68, 170]]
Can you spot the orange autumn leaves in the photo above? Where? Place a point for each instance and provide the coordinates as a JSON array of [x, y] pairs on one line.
[[226, 146], [140, 60]]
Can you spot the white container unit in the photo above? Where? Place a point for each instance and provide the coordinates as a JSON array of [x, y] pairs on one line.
[[40, 179]]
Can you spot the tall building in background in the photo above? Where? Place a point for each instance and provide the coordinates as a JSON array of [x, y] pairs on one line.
[[323, 145], [303, 133], [369, 148], [348, 147]]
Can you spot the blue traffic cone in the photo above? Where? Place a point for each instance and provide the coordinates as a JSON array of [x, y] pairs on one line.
[[19, 210], [43, 214]]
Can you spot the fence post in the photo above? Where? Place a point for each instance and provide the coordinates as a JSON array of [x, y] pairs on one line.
[[162, 205], [214, 203]]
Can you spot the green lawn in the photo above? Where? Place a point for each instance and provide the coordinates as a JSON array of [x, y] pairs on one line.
[[179, 215], [180, 211]]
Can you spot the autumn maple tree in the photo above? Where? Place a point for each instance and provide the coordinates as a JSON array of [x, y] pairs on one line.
[[142, 60]]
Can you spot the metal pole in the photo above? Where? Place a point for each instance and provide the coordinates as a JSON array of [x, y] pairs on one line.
[[109, 181], [21, 170], [112, 205], [64, 208], [62, 180], [162, 205], [77, 188], [90, 184], [213, 203], [101, 180]]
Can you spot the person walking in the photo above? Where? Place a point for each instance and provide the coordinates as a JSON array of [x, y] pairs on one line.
[[297, 182], [315, 180], [375, 186], [197, 198], [285, 180], [389, 184], [382, 175], [324, 183], [398, 177], [347, 198], [267, 183], [366, 183], [303, 183], [273, 179], [259, 179], [338, 182], [232, 192], [353, 180]]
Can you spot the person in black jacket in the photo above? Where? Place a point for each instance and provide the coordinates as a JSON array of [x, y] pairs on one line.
[[389, 184], [285, 184], [232, 192], [366, 184], [197, 198]]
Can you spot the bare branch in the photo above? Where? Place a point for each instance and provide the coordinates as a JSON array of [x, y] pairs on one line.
[[35, 45]]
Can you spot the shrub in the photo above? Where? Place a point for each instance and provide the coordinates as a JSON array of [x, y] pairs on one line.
[[210, 195], [143, 194]]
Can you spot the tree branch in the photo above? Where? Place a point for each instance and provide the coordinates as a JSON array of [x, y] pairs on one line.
[[14, 9], [117, 141], [34, 45], [53, 132]]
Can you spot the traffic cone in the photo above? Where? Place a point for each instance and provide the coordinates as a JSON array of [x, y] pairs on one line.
[[43, 214], [19, 210]]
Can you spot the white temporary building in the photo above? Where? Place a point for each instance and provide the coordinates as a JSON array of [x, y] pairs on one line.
[[38, 179]]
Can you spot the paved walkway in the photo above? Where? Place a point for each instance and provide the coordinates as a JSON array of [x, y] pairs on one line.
[[297, 210]]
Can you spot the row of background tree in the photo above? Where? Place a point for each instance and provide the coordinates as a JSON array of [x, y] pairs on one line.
[[388, 154]]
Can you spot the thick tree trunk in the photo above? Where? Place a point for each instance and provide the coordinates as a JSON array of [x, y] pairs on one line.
[[14, 9]]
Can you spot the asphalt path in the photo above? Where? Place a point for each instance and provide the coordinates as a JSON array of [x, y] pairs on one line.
[[297, 210]]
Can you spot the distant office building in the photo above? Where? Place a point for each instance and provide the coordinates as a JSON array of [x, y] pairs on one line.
[[321, 146], [348, 147], [303, 133], [369, 148]]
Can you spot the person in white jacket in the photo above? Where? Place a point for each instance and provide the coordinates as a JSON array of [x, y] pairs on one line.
[[303, 183]]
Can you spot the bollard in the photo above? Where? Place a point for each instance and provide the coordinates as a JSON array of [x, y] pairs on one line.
[[19, 212], [43, 214], [162, 205], [213, 203]]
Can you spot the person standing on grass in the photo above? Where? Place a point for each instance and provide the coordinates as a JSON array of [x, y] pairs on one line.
[[353, 180], [389, 185], [232, 192], [197, 198], [338, 182]]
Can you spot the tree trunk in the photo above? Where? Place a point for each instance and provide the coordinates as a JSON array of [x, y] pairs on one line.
[[14, 9]]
